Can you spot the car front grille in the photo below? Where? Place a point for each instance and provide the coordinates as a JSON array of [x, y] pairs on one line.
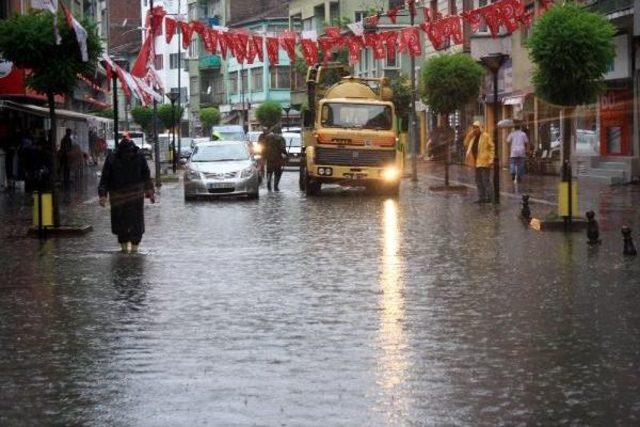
[[221, 190], [226, 175], [350, 157]]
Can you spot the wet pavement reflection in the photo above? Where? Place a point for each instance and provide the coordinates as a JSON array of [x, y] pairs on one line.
[[344, 309]]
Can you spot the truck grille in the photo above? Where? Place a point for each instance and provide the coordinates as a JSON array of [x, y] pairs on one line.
[[348, 157]]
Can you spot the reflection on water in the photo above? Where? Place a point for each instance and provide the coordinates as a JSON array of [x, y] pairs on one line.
[[392, 335]]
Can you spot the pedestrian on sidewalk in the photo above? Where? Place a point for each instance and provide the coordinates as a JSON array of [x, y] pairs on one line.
[[479, 155], [275, 157], [126, 180], [66, 145], [519, 143]]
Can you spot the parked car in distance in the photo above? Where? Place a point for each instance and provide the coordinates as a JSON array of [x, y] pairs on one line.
[[186, 146], [229, 133], [294, 148], [221, 169]]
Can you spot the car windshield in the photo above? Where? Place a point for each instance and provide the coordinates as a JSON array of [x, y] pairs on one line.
[[231, 136], [219, 153], [365, 116]]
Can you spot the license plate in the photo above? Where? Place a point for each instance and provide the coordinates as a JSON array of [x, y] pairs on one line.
[[213, 185]]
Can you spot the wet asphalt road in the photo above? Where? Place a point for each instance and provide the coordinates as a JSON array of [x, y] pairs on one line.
[[347, 309]]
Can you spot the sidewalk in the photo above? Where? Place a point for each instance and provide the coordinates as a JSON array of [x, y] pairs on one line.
[[613, 205]]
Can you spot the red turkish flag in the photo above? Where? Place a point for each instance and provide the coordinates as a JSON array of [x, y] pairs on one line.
[[410, 41], [142, 61], [210, 40], [355, 45], [198, 27], [474, 18], [259, 47], [272, 50], [187, 32], [376, 43], [230, 41], [288, 43], [393, 13], [309, 51], [390, 41], [241, 38], [222, 42], [251, 51], [155, 23], [326, 44], [333, 32], [492, 17], [170, 28]]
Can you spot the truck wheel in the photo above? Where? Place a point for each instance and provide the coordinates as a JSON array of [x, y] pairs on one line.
[[312, 188]]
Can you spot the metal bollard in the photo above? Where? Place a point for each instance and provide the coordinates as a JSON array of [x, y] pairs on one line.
[[593, 230], [629, 247], [525, 212]]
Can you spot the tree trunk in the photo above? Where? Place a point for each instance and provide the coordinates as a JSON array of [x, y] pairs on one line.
[[54, 158]]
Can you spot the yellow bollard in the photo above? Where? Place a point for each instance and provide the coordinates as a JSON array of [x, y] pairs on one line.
[[47, 209], [563, 198]]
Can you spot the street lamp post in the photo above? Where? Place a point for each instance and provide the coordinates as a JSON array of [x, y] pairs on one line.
[[179, 93], [493, 62], [286, 111], [173, 96]]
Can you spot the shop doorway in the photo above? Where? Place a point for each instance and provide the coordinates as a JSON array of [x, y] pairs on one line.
[[615, 122]]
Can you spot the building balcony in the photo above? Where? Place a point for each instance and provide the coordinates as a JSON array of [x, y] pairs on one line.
[[210, 62], [212, 99]]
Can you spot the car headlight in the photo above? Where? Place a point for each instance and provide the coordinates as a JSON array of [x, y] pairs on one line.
[[390, 174], [192, 175], [246, 173]]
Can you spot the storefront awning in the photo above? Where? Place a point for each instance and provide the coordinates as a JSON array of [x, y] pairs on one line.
[[44, 112]]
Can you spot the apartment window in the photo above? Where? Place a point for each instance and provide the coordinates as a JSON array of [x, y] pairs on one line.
[[280, 77], [194, 48], [245, 80], [233, 83], [392, 61], [453, 8], [483, 25], [256, 80], [218, 84], [183, 94], [394, 3], [158, 62], [173, 60], [307, 24]]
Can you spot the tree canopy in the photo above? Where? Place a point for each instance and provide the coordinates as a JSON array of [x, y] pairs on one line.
[[571, 48], [449, 82], [269, 113], [29, 42], [402, 98], [143, 116], [167, 117], [209, 117]]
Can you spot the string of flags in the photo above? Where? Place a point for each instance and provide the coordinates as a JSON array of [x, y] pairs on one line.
[[247, 46]]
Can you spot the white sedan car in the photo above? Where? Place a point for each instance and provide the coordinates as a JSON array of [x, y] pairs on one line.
[[221, 169]]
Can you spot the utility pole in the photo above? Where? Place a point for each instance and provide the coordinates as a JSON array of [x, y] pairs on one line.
[[179, 91], [156, 146], [412, 116]]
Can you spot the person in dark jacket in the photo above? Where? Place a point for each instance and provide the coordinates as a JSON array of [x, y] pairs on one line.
[[66, 144], [126, 179], [275, 155]]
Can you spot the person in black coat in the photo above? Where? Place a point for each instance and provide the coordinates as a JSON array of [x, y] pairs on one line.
[[275, 155], [125, 179]]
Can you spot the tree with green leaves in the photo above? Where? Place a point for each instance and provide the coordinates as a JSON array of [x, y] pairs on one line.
[[30, 43], [168, 116], [269, 113], [143, 116], [571, 49], [107, 113], [209, 117], [402, 99], [448, 83]]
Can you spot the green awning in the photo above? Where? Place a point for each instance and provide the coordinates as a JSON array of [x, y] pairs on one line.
[[210, 62]]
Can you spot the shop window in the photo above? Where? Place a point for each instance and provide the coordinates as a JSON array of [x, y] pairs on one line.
[[173, 60], [256, 80]]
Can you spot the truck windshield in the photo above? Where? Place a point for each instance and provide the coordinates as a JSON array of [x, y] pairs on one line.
[[364, 116]]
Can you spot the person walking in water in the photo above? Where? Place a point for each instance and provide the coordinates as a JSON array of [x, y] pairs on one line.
[[126, 180], [480, 152], [519, 143], [275, 156]]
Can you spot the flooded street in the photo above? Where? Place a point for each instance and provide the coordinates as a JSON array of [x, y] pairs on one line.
[[346, 309]]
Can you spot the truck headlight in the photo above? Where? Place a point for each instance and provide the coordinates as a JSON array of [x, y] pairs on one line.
[[390, 174]]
